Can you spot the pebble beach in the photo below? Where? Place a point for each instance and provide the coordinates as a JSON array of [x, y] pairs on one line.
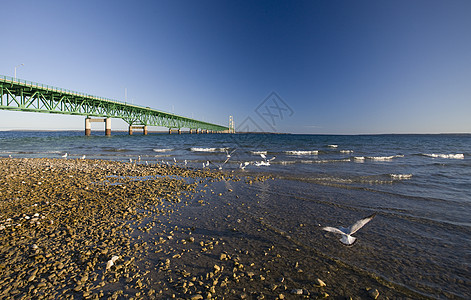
[[95, 229]]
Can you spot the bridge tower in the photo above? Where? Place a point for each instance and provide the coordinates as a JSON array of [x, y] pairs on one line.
[[231, 125]]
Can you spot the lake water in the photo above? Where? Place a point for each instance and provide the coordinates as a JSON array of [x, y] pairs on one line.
[[419, 186]]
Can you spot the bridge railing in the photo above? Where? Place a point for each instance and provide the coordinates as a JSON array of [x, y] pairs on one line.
[[53, 88]]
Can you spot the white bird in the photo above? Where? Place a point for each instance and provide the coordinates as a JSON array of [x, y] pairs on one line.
[[111, 262], [243, 165], [217, 165], [264, 163], [346, 233], [265, 158], [229, 154], [83, 156], [65, 155], [130, 160]]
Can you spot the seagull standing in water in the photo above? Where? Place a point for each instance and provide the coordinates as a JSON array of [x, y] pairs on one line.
[[264, 163], [346, 233], [243, 165]]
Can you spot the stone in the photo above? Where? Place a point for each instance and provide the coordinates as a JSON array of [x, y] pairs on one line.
[[297, 291], [319, 282], [373, 293]]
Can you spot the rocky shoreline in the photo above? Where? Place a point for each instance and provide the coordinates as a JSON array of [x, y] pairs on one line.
[[95, 229]]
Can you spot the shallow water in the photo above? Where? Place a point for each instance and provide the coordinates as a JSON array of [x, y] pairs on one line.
[[419, 185]]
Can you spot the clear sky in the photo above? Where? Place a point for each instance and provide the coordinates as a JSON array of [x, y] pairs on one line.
[[340, 67]]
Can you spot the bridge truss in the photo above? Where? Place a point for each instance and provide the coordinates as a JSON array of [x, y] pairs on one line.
[[21, 95]]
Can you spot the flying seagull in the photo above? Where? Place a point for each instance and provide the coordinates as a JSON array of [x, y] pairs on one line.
[[228, 155], [346, 233]]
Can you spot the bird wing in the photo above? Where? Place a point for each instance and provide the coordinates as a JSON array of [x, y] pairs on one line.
[[263, 155], [360, 223], [333, 229]]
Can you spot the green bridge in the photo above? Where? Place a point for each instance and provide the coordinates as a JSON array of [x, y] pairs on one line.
[[22, 95]]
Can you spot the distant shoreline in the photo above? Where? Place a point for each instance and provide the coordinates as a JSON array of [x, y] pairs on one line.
[[277, 133]]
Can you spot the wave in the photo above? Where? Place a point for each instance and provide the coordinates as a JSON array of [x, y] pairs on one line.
[[302, 152], [259, 152], [346, 151], [116, 150], [312, 161], [401, 176], [325, 161], [162, 150], [359, 158], [449, 156], [332, 146], [199, 149], [383, 158]]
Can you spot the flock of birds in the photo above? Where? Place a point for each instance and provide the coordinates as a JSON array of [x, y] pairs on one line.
[[346, 233], [264, 162], [242, 165]]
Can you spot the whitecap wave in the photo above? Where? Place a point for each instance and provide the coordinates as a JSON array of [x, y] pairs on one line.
[[401, 176], [383, 158], [346, 151], [162, 150], [449, 156], [307, 161], [325, 161], [199, 149], [361, 158], [332, 146], [302, 152], [259, 152]]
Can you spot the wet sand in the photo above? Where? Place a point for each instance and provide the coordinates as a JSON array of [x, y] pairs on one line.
[[89, 229]]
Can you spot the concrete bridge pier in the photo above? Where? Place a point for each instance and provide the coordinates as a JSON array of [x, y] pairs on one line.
[[179, 130], [143, 127], [88, 125], [108, 126]]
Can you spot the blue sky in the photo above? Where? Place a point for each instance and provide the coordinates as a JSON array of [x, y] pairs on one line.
[[339, 67]]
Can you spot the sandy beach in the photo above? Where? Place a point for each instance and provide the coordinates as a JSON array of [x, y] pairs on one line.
[[94, 229]]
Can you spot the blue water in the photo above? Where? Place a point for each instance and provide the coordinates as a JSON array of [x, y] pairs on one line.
[[420, 186]]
